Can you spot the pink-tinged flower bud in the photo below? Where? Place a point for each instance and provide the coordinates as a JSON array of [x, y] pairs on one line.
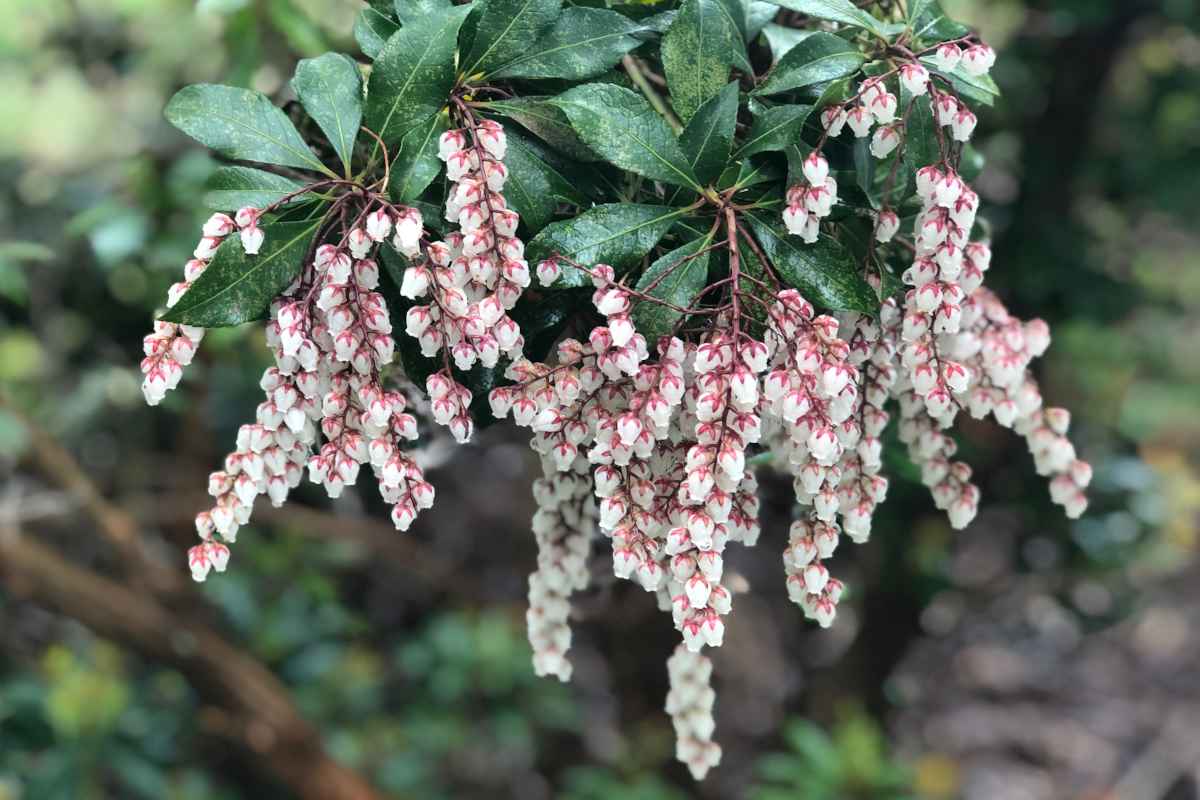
[[252, 239], [963, 124], [207, 248], [795, 219], [833, 119], [359, 243], [978, 59], [886, 226], [860, 120], [945, 107], [247, 217], [816, 168], [883, 107], [218, 226], [379, 224], [884, 141], [947, 56], [491, 137], [914, 78]]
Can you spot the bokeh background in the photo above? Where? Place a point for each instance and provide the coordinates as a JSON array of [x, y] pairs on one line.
[[1026, 658]]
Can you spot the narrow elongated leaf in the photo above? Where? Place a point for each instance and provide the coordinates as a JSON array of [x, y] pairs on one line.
[[841, 11], [231, 188], [979, 88], [675, 278], [330, 89], [620, 126], [775, 129], [416, 162], [583, 43], [918, 7], [758, 15], [547, 121], [535, 186], [619, 234], [818, 58], [372, 29], [237, 288], [931, 25], [413, 74], [708, 138], [920, 133], [409, 11], [697, 54], [240, 124], [824, 272], [505, 29]]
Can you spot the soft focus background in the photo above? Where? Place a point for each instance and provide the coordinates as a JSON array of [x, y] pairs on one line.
[[1026, 658]]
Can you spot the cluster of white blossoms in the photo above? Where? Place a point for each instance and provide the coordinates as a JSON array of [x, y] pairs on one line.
[[325, 406], [690, 703], [473, 276], [810, 202]]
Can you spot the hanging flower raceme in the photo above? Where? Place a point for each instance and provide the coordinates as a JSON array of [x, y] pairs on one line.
[[701, 356]]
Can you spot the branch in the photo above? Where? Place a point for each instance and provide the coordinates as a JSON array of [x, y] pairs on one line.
[[656, 101], [256, 708]]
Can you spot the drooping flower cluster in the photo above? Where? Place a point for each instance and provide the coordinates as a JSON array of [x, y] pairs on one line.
[[690, 703], [810, 202], [330, 335], [473, 276]]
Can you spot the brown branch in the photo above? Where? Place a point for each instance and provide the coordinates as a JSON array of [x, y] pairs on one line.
[[256, 707]]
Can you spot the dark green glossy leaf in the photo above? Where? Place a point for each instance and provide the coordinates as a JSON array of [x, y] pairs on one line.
[[758, 16], [409, 11], [416, 163], [583, 43], [708, 138], [775, 129], [231, 188], [675, 278], [781, 39], [824, 272], [619, 234], [978, 88], [620, 126], [535, 187], [547, 121], [413, 74], [818, 58], [236, 287], [920, 133], [698, 52], [330, 89], [841, 11], [504, 30], [240, 124], [931, 26], [372, 29]]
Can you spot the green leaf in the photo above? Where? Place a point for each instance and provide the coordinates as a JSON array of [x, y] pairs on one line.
[[758, 15], [535, 187], [676, 278], [920, 133], [932, 26], [231, 188], [330, 89], [372, 29], [698, 52], [240, 124], [819, 58], [583, 43], [416, 163], [781, 39], [775, 129], [413, 74], [409, 11], [236, 287], [979, 88], [708, 138], [619, 234], [918, 7], [824, 272], [547, 121], [505, 29], [841, 11], [621, 127]]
